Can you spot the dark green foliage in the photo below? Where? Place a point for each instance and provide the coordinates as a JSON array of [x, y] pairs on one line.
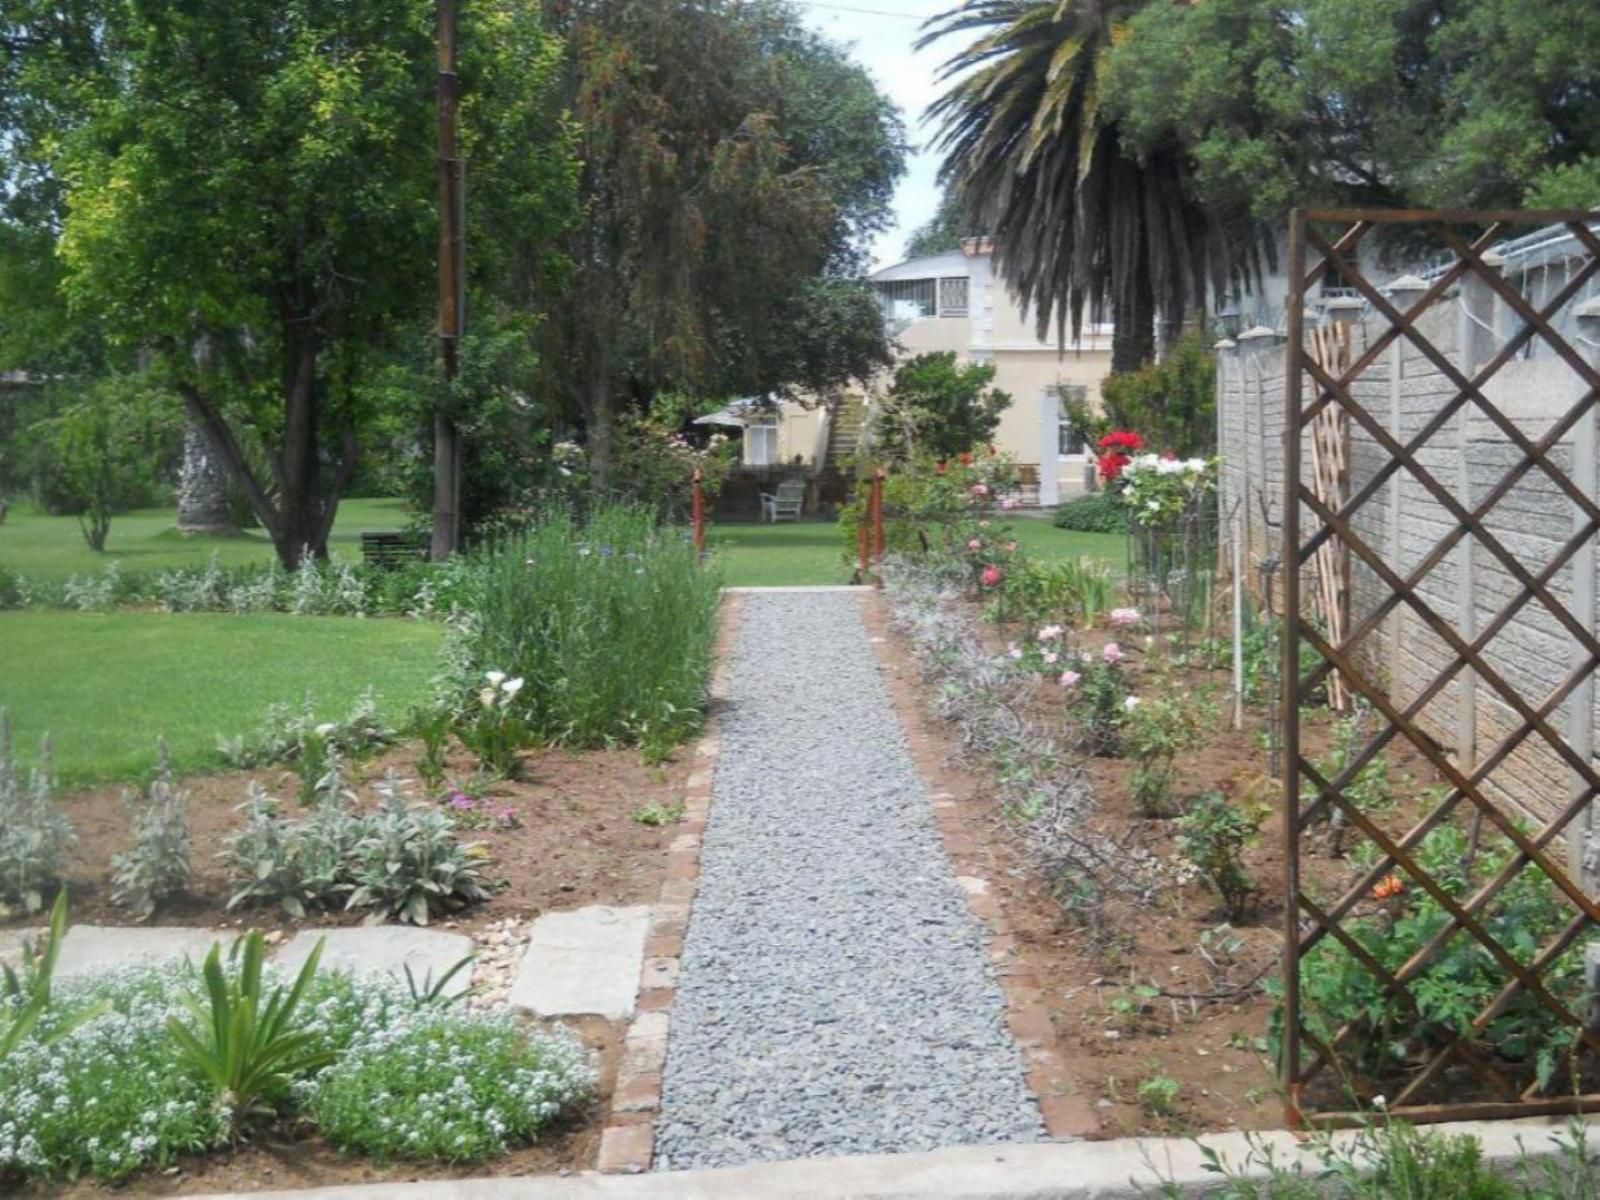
[[1171, 403], [942, 232], [939, 408], [1094, 512], [1478, 104], [1213, 835]]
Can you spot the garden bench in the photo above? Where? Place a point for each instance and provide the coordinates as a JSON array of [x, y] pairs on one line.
[[785, 504], [389, 550]]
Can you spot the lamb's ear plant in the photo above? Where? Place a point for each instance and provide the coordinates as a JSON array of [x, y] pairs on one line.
[[158, 864], [248, 1041]]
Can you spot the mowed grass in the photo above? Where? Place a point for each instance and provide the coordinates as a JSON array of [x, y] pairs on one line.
[[147, 539], [796, 554], [105, 685]]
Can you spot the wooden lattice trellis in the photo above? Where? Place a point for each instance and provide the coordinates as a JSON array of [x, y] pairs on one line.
[[1328, 366], [1330, 469]]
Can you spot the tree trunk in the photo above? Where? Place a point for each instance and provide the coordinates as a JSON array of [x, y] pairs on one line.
[[601, 419], [203, 486], [1133, 338]]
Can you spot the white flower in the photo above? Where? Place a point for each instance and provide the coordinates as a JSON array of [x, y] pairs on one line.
[[486, 697], [495, 678], [1049, 633], [1131, 703], [1380, 1102], [326, 729], [511, 687]]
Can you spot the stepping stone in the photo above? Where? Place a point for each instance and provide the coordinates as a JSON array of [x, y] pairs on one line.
[[583, 962], [372, 951], [90, 950]]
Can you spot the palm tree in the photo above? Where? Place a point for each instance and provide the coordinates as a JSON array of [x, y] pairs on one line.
[[1077, 221]]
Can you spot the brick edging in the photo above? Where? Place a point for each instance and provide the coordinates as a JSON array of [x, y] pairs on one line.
[[627, 1144], [1062, 1105]]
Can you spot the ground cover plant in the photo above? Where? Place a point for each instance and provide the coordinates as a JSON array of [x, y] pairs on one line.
[[73, 675], [610, 624], [133, 1070]]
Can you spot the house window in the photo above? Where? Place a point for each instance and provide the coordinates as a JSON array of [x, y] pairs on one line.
[[761, 442], [1069, 438], [907, 299], [953, 296]]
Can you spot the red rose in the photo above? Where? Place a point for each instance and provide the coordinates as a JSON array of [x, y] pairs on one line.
[[992, 576], [966, 458]]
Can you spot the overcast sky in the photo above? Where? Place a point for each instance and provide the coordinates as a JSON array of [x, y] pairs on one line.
[[880, 33]]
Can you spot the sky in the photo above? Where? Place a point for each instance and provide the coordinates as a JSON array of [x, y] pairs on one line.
[[881, 34]]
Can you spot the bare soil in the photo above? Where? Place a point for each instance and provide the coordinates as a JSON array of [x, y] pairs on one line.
[[1153, 998], [575, 842]]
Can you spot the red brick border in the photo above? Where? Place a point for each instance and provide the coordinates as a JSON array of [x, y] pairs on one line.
[[1066, 1111], [627, 1144]]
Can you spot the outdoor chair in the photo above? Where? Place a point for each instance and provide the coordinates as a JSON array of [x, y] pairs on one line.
[[785, 504]]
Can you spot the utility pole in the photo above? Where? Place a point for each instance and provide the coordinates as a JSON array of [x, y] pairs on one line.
[[452, 292]]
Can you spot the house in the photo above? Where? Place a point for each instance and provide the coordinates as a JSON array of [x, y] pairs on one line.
[[954, 302]]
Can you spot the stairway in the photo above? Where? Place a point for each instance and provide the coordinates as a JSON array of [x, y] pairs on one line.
[[844, 432]]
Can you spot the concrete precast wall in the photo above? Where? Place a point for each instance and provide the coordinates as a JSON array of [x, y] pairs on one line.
[[1403, 521]]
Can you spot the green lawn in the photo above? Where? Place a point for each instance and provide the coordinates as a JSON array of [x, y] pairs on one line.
[[801, 553], [148, 539], [104, 685]]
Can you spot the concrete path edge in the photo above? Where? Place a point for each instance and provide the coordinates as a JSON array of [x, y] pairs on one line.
[[1117, 1169]]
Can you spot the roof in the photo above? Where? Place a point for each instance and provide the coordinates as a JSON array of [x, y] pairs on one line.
[[933, 266]]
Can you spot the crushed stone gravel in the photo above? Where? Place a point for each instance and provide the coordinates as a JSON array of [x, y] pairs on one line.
[[835, 997]]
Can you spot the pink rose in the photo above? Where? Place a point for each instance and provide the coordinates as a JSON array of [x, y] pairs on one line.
[[980, 490], [1112, 653], [1051, 658], [991, 577], [1124, 616], [1010, 502], [975, 544], [1069, 679]]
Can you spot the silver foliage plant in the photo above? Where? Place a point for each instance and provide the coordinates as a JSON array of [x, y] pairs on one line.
[[400, 861], [1047, 797], [157, 867], [35, 835], [285, 733]]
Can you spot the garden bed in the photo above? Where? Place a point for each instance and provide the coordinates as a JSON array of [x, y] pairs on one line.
[[1170, 991], [573, 838]]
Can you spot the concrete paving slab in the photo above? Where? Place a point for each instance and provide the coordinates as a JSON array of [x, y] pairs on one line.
[[91, 950], [583, 961], [1118, 1169], [371, 951]]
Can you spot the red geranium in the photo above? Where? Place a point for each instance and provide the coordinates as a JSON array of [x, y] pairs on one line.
[[1117, 449]]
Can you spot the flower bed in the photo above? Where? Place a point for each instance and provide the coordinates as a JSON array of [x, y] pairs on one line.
[[1140, 864]]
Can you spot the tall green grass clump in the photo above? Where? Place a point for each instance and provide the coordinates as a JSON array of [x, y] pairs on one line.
[[610, 623]]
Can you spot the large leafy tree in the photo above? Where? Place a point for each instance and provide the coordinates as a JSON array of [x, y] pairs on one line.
[[1470, 103], [1081, 222], [941, 232], [734, 166], [249, 200]]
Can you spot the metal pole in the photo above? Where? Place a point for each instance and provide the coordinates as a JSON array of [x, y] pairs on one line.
[[1236, 563], [1291, 669], [452, 314]]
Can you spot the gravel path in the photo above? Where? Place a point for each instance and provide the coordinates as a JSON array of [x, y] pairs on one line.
[[834, 997]]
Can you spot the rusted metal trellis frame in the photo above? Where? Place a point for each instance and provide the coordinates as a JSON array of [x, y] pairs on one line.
[[1306, 922]]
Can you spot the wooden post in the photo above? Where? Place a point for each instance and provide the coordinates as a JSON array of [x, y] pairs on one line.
[[863, 533], [452, 312], [1580, 705], [879, 541], [699, 514]]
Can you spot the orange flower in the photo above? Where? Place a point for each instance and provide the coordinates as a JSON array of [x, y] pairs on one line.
[[1386, 889]]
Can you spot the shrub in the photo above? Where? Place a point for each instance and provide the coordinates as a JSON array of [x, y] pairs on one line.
[[450, 1087], [939, 407], [1094, 512], [158, 865], [1155, 730], [1213, 836], [408, 864], [611, 623], [35, 835], [1097, 697], [1459, 981]]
